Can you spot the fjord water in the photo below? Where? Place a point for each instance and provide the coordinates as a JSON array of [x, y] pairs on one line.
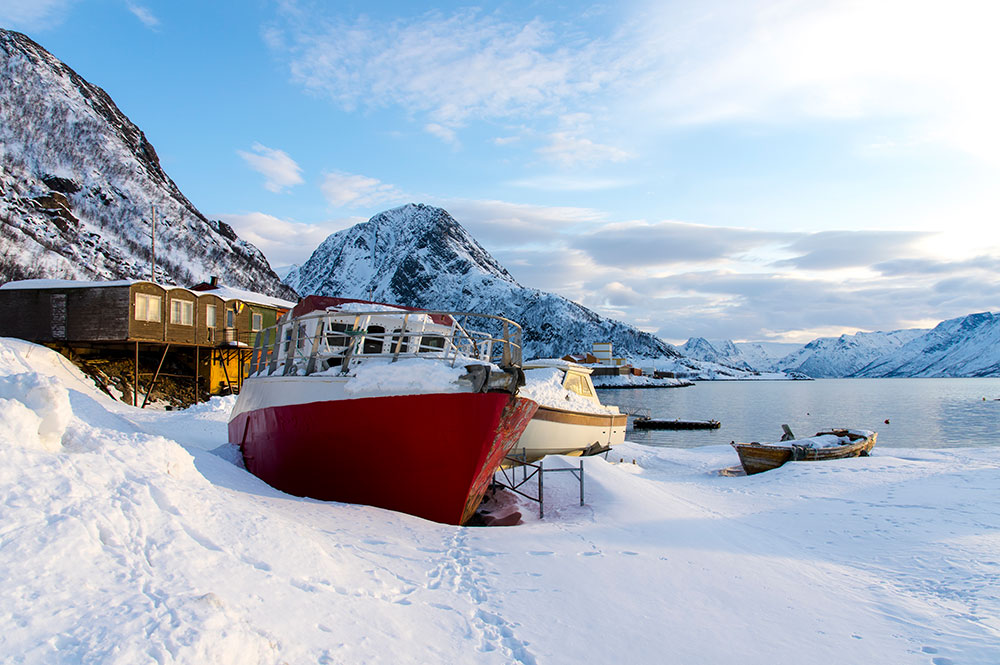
[[922, 413]]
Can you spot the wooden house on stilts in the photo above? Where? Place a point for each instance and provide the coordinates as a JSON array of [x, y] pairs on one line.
[[209, 328]]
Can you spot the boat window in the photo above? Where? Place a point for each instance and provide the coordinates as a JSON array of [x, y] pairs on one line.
[[430, 343], [577, 384], [337, 340], [395, 340], [374, 344]]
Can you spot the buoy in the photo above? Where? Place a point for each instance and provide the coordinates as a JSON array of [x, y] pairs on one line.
[[886, 421]]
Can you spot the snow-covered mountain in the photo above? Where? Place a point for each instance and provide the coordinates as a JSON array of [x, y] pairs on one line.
[[964, 346], [78, 181], [722, 352], [828, 357], [764, 356], [420, 256]]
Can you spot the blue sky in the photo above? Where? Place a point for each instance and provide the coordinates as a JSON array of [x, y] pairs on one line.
[[773, 170]]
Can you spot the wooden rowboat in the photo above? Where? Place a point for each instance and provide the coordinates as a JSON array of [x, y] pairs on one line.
[[830, 444]]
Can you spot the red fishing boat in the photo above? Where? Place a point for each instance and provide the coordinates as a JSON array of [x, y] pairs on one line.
[[368, 403]]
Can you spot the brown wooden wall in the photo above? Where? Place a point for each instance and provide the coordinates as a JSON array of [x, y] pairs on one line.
[[148, 330], [107, 314], [204, 300], [74, 314]]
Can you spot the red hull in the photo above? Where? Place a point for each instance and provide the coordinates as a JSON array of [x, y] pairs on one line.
[[427, 455]]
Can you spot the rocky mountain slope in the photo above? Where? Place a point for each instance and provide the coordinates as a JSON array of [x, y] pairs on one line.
[[723, 352], [828, 357], [420, 256], [78, 181], [964, 346]]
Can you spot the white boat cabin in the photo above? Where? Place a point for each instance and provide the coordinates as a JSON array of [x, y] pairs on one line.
[[331, 335]]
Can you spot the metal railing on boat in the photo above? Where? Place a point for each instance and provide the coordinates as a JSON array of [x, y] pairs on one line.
[[321, 341]]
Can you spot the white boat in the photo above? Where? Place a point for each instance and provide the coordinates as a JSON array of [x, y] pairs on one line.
[[570, 419]]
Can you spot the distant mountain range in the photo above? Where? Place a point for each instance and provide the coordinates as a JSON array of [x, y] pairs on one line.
[[967, 346], [964, 346], [78, 181]]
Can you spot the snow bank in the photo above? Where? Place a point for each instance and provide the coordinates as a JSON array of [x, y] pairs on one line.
[[34, 411]]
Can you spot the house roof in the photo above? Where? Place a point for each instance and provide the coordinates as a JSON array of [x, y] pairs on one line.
[[229, 293], [224, 292]]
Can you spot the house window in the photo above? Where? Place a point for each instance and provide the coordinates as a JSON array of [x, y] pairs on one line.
[[256, 322], [182, 312], [147, 307], [210, 316], [230, 318]]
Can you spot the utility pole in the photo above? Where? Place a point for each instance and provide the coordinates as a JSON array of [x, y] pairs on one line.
[[152, 248]]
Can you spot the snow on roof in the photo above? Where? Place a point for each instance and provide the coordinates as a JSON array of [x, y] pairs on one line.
[[224, 292], [229, 293], [82, 284], [63, 284], [559, 363]]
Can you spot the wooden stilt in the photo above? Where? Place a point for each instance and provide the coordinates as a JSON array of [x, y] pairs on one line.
[[225, 371], [197, 371], [135, 378], [155, 376]]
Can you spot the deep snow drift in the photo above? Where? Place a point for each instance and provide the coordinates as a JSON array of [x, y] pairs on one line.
[[132, 536]]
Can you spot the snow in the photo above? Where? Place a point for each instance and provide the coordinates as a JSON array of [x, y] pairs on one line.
[[633, 381], [827, 440], [231, 293], [544, 385], [140, 538], [410, 376], [67, 284]]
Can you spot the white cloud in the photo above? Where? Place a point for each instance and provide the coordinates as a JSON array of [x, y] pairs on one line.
[[669, 65], [503, 224], [450, 67], [569, 150], [780, 61], [446, 134], [350, 190], [570, 183], [33, 14], [284, 242], [278, 169], [144, 14]]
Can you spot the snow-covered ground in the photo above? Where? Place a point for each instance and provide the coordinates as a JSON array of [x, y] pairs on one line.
[[131, 536]]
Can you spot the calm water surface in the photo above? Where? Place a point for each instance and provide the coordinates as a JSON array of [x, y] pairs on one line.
[[922, 413]]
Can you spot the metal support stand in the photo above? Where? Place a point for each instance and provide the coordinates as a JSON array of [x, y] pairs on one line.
[[537, 470]]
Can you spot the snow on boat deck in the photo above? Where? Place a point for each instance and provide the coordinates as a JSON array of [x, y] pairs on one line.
[[139, 538]]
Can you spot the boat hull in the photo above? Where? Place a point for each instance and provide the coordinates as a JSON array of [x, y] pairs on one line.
[[430, 455], [560, 432], [757, 458]]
